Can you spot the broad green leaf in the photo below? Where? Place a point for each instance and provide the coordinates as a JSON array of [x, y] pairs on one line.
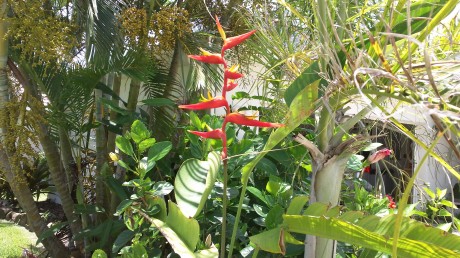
[[271, 241], [181, 232], [124, 145], [194, 182], [139, 132], [420, 14], [307, 78], [122, 239], [274, 217], [145, 144], [369, 231], [297, 204], [158, 102], [159, 150], [257, 193]]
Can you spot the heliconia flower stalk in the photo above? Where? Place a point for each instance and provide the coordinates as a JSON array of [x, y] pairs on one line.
[[230, 74], [216, 102], [378, 155], [241, 119]]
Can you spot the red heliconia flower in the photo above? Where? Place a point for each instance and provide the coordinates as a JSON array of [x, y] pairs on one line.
[[208, 57], [232, 41], [378, 155], [241, 119], [215, 134], [232, 73], [207, 104]]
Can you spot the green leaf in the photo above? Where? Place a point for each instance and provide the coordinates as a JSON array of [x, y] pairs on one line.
[[194, 182], [308, 76], [354, 163], [139, 251], [267, 166], [162, 188], [124, 145], [420, 14], [145, 144], [122, 239], [98, 253], [116, 187], [372, 146], [257, 193], [139, 131], [51, 231], [159, 150], [195, 120], [158, 102], [88, 209], [416, 239], [274, 217], [429, 192], [297, 204], [113, 105], [123, 206], [441, 193], [271, 241]]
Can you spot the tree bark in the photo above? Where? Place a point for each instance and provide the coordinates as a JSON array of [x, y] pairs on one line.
[[24, 196]]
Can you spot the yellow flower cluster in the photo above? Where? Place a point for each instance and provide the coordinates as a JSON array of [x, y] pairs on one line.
[[157, 33], [169, 24], [38, 34]]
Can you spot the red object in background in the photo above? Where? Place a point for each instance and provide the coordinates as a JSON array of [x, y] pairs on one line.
[[392, 204], [367, 169]]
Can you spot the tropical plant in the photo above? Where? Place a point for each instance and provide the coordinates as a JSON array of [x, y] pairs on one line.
[[327, 85], [230, 75]]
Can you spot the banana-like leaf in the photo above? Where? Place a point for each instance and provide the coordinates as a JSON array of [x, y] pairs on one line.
[[416, 239], [194, 182], [182, 234]]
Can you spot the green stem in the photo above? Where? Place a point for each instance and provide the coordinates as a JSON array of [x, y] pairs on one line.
[[224, 210]]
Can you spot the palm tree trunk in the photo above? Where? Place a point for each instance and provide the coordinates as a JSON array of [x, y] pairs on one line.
[[101, 155], [53, 157], [24, 196], [16, 181], [113, 114], [59, 179]]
